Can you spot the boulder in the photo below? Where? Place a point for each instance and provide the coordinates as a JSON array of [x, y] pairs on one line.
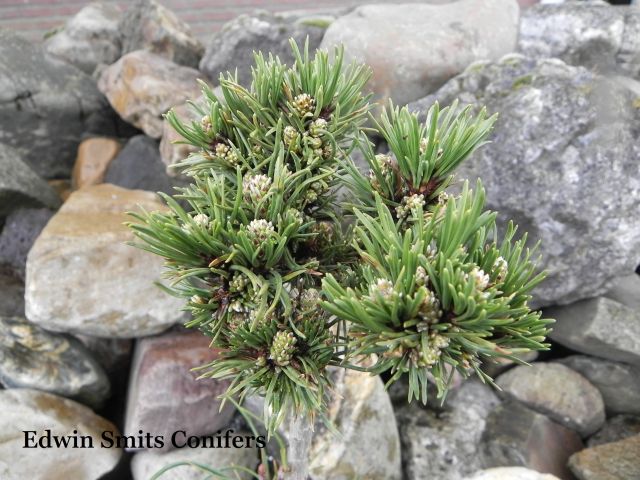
[[24, 409], [562, 131], [21, 229], [166, 396], [50, 104], [434, 42], [147, 25], [31, 357], [234, 44], [445, 445], [600, 327], [592, 34], [518, 436], [511, 473], [558, 392], [139, 166], [611, 461], [145, 464], [619, 383], [94, 156], [20, 186], [89, 38], [626, 290], [83, 278], [616, 428], [142, 86], [170, 151], [11, 294]]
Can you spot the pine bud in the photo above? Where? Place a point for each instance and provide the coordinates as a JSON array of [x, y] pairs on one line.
[[282, 348], [421, 277], [429, 310], [290, 135], [480, 279], [385, 163], [197, 299], [382, 288], [317, 127], [238, 282], [304, 104], [201, 220], [309, 299], [255, 187], [225, 152], [205, 123], [501, 268], [409, 204], [259, 231]]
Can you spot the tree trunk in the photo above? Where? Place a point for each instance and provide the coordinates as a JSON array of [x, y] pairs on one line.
[[300, 434]]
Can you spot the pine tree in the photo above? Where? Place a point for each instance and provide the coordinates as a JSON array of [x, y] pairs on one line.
[[287, 279]]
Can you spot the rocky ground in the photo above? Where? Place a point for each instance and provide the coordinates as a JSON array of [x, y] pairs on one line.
[[89, 343]]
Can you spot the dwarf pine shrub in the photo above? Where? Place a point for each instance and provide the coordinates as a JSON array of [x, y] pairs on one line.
[[288, 276]]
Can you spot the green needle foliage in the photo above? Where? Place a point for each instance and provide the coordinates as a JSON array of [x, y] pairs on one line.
[[262, 253]]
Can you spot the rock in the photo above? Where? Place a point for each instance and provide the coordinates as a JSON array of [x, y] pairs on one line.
[[50, 104], [62, 187], [94, 156], [113, 354], [600, 327], [511, 473], [558, 392], [619, 383], [611, 461], [147, 25], [616, 428], [145, 464], [164, 394], [142, 86], [31, 357], [21, 229], [25, 409], [89, 38], [83, 278], [626, 290], [361, 411], [494, 367], [20, 186], [563, 131], [11, 294], [139, 166], [233, 45], [435, 42], [595, 35], [170, 152], [446, 445], [517, 436]]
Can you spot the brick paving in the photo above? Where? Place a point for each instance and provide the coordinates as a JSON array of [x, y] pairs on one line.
[[33, 18]]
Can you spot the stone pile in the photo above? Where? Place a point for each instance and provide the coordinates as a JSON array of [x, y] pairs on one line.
[[89, 343]]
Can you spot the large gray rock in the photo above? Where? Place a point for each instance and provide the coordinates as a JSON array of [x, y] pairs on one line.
[[626, 290], [563, 131], [47, 103], [595, 35], [414, 48], [517, 436], [139, 166], [20, 186], [165, 395], [145, 464], [83, 278], [615, 429], [147, 25], [600, 327], [31, 357], [233, 45], [611, 461], [511, 473], [368, 444], [21, 229], [558, 392], [143, 86], [89, 38], [32, 410], [619, 383], [445, 445], [11, 294]]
